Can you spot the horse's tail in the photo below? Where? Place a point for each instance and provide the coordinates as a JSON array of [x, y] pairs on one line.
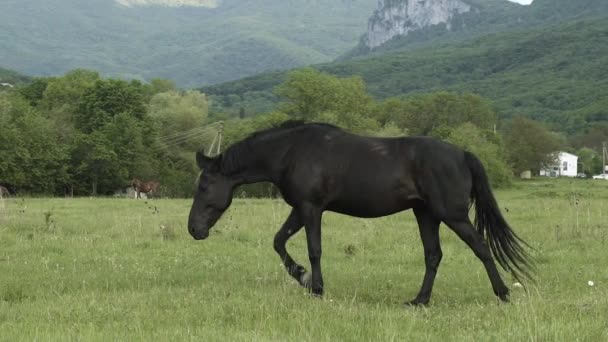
[[508, 248]]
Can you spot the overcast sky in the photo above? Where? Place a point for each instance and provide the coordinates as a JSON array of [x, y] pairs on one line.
[[523, 2]]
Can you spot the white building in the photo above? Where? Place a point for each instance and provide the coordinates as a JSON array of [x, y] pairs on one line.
[[567, 166]]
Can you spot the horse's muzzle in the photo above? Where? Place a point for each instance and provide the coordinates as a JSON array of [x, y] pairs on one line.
[[198, 234], [202, 236]]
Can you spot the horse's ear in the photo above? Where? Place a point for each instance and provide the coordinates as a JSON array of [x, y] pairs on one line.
[[207, 163]]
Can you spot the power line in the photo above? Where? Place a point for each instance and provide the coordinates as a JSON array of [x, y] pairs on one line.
[[165, 145], [180, 137], [188, 132], [188, 136]]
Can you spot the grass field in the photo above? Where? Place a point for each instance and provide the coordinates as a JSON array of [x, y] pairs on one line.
[[121, 269]]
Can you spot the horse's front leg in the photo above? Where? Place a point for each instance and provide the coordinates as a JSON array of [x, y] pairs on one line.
[[311, 216], [292, 225]]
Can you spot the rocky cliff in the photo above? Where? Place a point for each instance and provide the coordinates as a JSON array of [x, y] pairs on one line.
[[400, 17]]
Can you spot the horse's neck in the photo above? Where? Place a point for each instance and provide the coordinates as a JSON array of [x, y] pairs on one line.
[[263, 163]]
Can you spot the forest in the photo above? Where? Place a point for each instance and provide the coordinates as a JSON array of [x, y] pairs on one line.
[[82, 134]]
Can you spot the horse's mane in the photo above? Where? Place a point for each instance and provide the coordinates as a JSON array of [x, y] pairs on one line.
[[287, 126], [237, 154]]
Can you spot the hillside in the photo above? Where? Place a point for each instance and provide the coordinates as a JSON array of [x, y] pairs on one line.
[[193, 42], [12, 77], [556, 74]]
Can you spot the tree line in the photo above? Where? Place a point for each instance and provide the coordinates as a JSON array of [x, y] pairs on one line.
[[82, 134]]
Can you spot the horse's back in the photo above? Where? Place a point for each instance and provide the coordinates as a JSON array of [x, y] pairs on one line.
[[350, 174], [372, 176]]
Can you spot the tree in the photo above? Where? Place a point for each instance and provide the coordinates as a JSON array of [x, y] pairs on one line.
[[488, 148], [67, 90], [530, 146], [34, 91], [390, 130], [61, 99], [130, 141], [423, 114], [391, 110], [41, 158], [10, 141], [181, 118], [30, 157], [158, 86], [13, 105], [315, 96], [176, 112], [96, 166], [106, 99], [590, 161]]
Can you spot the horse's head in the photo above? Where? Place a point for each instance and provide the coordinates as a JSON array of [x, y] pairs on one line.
[[213, 196]]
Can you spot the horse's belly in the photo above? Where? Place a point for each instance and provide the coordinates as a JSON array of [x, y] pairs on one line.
[[366, 207], [386, 193]]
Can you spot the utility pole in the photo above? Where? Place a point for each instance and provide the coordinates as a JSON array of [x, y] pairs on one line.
[[212, 146], [604, 154], [217, 138], [220, 133]]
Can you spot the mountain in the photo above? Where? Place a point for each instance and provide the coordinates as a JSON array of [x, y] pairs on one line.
[[193, 42], [401, 25], [400, 18], [555, 73]]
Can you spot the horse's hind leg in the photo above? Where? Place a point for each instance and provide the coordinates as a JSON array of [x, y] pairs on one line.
[[311, 216], [429, 233], [292, 225], [465, 230]]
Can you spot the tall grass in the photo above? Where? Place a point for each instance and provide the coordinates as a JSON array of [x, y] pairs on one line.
[[119, 269]]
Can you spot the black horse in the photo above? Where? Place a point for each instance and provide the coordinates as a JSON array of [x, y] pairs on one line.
[[319, 167]]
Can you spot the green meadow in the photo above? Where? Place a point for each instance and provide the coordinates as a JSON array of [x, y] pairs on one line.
[[108, 269]]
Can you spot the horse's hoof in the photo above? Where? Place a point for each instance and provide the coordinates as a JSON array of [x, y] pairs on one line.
[[504, 298], [417, 302], [316, 293], [503, 295], [306, 280]]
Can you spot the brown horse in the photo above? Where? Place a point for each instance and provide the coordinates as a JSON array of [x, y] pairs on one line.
[[4, 192], [145, 187]]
